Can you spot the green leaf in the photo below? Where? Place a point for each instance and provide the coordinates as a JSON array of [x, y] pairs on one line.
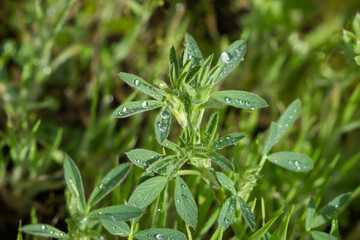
[[229, 59], [141, 84], [310, 214], [74, 183], [116, 213], [118, 228], [108, 183], [229, 139], [247, 214], [240, 99], [146, 192], [160, 233], [297, 162], [335, 227], [143, 158], [162, 124], [131, 108], [210, 104], [356, 24], [221, 161], [261, 232], [173, 60], [203, 78], [193, 51], [185, 203], [163, 162], [322, 236], [357, 60], [44, 230], [226, 182], [271, 139], [211, 128], [280, 233], [227, 213], [327, 212], [288, 118]]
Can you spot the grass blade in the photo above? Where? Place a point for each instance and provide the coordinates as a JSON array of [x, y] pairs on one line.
[[280, 233], [261, 232]]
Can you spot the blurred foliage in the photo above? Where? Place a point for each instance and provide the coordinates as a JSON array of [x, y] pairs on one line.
[[57, 89]]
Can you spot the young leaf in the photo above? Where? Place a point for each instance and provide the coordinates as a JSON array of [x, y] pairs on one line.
[[131, 108], [261, 232], [146, 192], [119, 228], [211, 128], [74, 182], [194, 52], [240, 99], [203, 78], [329, 210], [288, 118], [174, 61], [159, 233], [116, 213], [143, 158], [44, 230], [247, 214], [271, 139], [229, 139], [310, 214], [335, 227], [227, 213], [108, 183], [141, 84], [229, 59], [297, 162], [280, 233], [185, 203], [221, 161], [226, 182], [322, 236], [161, 163], [162, 124]]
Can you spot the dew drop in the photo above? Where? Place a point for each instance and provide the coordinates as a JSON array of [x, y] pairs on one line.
[[164, 114], [43, 227], [51, 232], [124, 109], [215, 144], [183, 186], [100, 213], [101, 186], [144, 104], [177, 200], [47, 70], [162, 127], [291, 162], [61, 234], [296, 163], [228, 100], [291, 117], [247, 104], [298, 168], [137, 82], [337, 206], [183, 197], [137, 160], [226, 220], [225, 57], [238, 53], [159, 236]]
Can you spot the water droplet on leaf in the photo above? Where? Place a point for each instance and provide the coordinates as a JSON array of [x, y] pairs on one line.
[[43, 227], [124, 109], [228, 100], [164, 114], [144, 104], [137, 82], [225, 57]]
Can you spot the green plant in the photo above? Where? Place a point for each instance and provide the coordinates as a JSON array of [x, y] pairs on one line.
[[192, 81], [82, 219]]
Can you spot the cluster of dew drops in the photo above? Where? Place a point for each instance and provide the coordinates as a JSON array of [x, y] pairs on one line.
[[43, 227], [163, 123]]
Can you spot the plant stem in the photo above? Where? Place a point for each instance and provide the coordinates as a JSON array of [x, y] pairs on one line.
[[131, 234], [188, 232]]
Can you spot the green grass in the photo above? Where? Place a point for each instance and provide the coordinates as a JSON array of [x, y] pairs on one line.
[[58, 90]]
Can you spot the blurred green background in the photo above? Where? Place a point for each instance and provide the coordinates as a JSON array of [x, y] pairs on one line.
[[58, 60]]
